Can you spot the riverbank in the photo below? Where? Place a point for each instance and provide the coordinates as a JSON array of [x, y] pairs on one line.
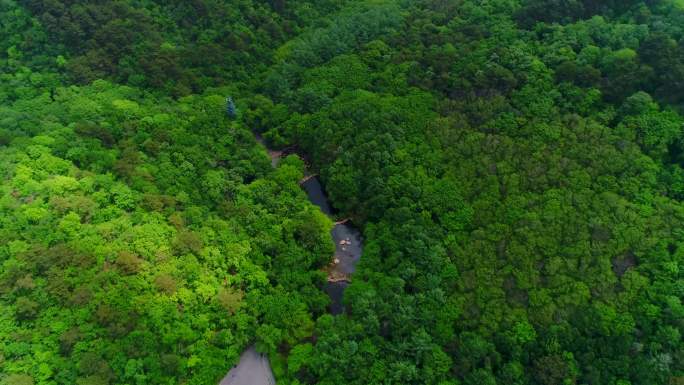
[[254, 368]]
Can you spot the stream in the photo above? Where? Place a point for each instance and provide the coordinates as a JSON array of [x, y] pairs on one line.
[[254, 368], [348, 246]]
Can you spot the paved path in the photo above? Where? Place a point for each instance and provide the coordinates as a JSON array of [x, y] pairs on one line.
[[253, 369]]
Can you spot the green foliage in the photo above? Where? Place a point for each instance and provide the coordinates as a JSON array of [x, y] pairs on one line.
[[517, 168], [518, 190], [122, 267]]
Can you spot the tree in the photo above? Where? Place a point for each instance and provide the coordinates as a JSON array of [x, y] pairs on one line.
[[554, 369], [229, 299], [26, 309]]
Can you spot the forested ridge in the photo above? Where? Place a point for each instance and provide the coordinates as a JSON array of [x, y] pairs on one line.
[[516, 167]]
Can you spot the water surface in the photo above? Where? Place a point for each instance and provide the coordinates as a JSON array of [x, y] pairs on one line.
[[348, 246]]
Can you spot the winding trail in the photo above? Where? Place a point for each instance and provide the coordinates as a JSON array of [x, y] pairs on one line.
[[254, 368]]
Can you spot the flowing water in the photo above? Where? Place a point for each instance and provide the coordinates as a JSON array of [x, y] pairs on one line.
[[254, 368], [348, 246]]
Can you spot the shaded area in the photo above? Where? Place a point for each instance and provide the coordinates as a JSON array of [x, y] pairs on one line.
[[336, 292], [253, 369], [273, 154], [314, 190]]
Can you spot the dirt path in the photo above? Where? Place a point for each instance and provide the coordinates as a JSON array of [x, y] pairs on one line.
[[253, 369]]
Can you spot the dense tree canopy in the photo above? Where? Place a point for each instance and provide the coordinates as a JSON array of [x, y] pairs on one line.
[[516, 166]]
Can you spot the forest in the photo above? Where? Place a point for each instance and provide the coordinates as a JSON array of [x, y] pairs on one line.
[[516, 168]]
